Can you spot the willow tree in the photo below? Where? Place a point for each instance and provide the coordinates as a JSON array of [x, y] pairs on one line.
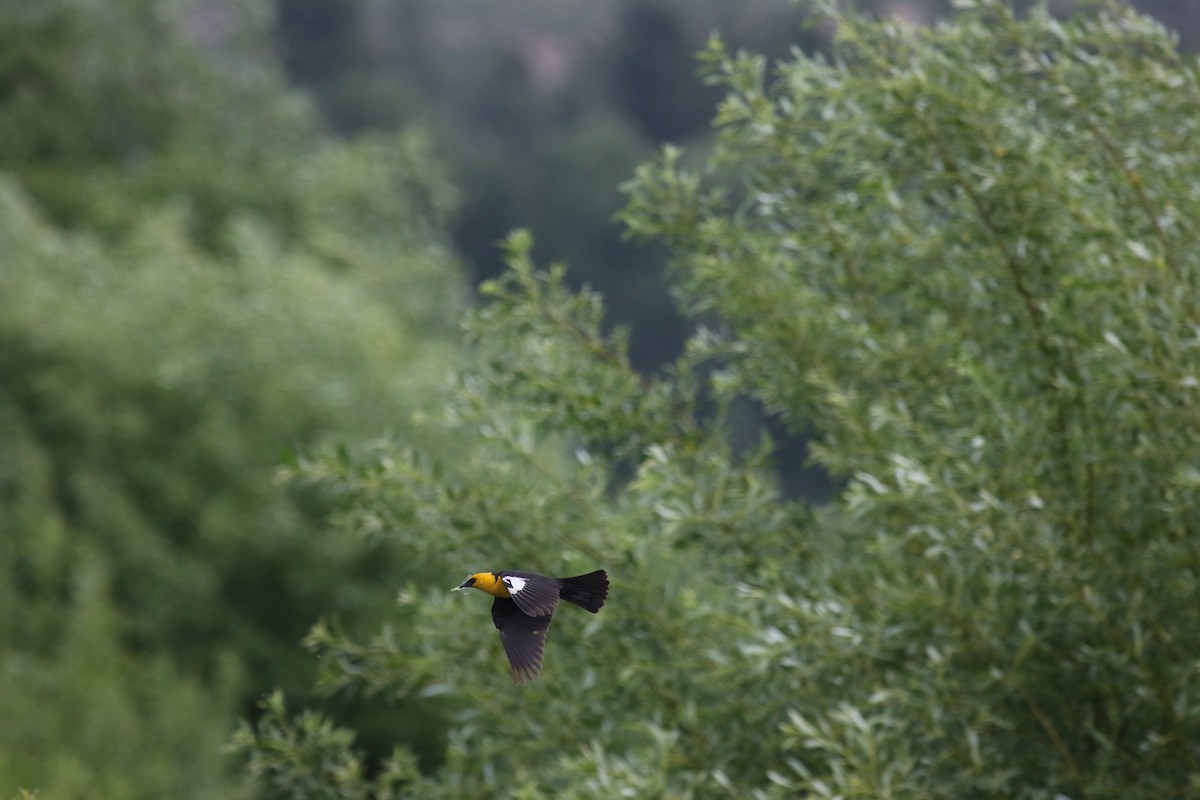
[[966, 258]]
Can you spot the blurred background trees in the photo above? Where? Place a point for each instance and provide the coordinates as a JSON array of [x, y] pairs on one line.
[[235, 236], [197, 278], [544, 109]]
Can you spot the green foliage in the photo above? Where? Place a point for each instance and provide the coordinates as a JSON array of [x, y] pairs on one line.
[[85, 717], [308, 757], [964, 256], [196, 280], [149, 393], [545, 108], [106, 107], [515, 498]]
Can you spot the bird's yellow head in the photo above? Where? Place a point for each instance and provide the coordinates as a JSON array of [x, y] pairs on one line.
[[486, 582]]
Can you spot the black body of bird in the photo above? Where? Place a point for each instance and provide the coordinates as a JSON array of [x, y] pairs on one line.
[[524, 606]]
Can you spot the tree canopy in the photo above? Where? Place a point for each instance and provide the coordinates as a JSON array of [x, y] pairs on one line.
[[196, 279], [964, 257]]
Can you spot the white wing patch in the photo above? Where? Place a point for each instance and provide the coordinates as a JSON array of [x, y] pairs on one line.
[[535, 595]]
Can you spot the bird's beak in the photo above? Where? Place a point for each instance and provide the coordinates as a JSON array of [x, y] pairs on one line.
[[464, 585]]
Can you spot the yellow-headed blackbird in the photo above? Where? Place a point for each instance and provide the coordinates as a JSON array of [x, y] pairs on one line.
[[524, 605]]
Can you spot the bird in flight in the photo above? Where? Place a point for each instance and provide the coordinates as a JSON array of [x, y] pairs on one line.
[[524, 605]]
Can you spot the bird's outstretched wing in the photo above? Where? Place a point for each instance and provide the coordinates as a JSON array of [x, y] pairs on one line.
[[536, 595], [523, 637]]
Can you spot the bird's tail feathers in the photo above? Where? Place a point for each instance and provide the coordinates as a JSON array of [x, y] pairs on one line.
[[586, 591]]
